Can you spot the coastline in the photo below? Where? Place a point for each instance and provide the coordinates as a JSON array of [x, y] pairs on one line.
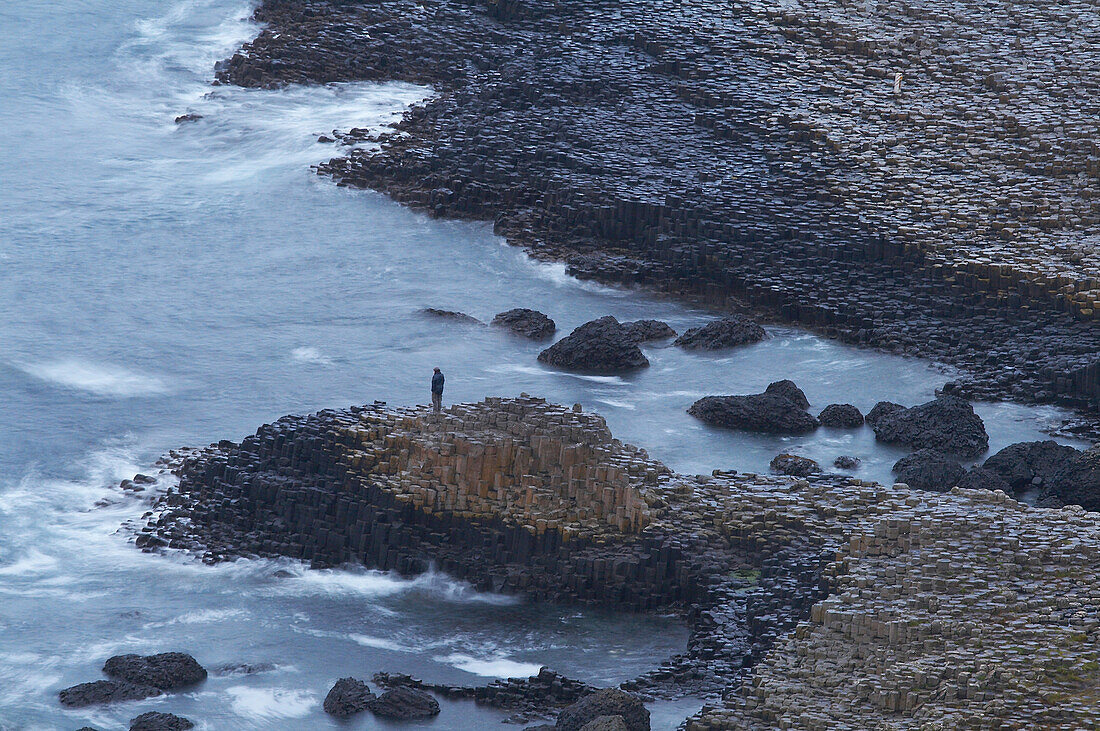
[[573, 146]]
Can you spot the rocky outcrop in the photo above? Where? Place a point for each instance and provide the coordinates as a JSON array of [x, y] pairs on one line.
[[979, 478], [762, 412], [404, 704], [882, 409], [105, 691], [530, 324], [928, 469], [606, 723], [841, 416], [948, 425], [647, 331], [788, 390], [846, 462], [790, 464], [606, 702], [167, 670], [729, 332], [1078, 482], [347, 697], [1027, 465], [156, 721], [600, 346]]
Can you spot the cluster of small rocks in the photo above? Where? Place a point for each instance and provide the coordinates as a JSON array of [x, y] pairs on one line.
[[136, 677], [919, 179]]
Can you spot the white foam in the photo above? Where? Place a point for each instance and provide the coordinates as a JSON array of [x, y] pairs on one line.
[[310, 355], [617, 404], [269, 703], [494, 667], [381, 644], [31, 562], [380, 584], [556, 273], [96, 378]]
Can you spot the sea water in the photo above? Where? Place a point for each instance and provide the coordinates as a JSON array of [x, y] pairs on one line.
[[168, 284]]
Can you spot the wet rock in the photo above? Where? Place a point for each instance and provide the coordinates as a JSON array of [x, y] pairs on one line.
[[788, 390], [841, 416], [606, 723], [928, 469], [882, 409], [528, 323], [242, 668], [105, 691], [189, 117], [845, 462], [404, 704], [599, 346], [979, 478], [728, 332], [790, 464], [154, 721], [1025, 465], [645, 331], [348, 697], [167, 670], [1078, 482], [948, 425], [459, 317], [325, 139], [605, 702], [763, 412]]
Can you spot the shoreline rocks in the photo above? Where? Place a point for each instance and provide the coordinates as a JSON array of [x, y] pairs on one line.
[[530, 324], [948, 425], [928, 469], [841, 416], [729, 332], [781, 409]]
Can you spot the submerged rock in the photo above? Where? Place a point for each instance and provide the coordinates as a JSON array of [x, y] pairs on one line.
[[791, 464], [155, 721], [728, 332], [599, 346], [842, 416], [167, 671], [348, 697], [947, 425], [882, 409], [404, 704], [845, 462], [645, 331], [928, 469], [460, 317], [763, 412], [605, 702], [189, 117], [528, 323], [105, 691], [788, 390]]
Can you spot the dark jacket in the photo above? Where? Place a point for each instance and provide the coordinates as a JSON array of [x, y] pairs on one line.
[[437, 383]]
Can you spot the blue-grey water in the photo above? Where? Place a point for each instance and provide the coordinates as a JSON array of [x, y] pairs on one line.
[[165, 285]]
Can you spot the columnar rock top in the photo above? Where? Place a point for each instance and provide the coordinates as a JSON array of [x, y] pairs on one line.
[[523, 460]]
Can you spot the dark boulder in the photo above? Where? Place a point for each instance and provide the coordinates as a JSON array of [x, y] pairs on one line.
[[845, 462], [528, 323], [1030, 464], [348, 697], [881, 409], [979, 478], [841, 416], [645, 331], [788, 390], [728, 332], [605, 702], [599, 346], [403, 704], [762, 412], [189, 117], [154, 721], [793, 465], [606, 723], [460, 317], [1078, 482], [928, 469], [947, 425], [105, 691], [167, 671]]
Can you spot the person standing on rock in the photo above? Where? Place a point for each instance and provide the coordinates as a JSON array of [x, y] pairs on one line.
[[437, 390]]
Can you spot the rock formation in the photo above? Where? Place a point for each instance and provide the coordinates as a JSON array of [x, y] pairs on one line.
[[841, 416], [729, 332], [528, 323], [600, 346], [646, 331], [763, 412], [928, 469], [948, 425]]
